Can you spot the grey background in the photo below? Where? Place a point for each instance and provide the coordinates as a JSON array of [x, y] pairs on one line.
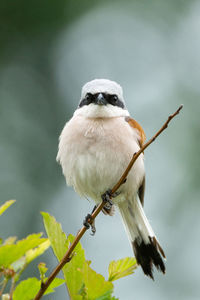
[[48, 50]]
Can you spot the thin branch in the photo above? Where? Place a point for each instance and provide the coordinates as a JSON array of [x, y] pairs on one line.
[[137, 154], [68, 254], [5, 281]]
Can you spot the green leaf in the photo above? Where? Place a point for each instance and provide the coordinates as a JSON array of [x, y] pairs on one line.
[[107, 296], [56, 235], [11, 253], [82, 281], [57, 282], [42, 269], [19, 264], [11, 240], [121, 268], [60, 244], [96, 286], [27, 289], [6, 205], [34, 253], [74, 278]]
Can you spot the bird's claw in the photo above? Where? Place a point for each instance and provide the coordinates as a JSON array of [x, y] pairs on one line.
[[93, 229], [106, 197], [88, 222]]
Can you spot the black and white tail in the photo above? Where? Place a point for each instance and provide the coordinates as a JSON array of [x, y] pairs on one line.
[[146, 247]]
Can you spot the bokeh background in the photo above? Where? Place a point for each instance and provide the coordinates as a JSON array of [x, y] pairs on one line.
[[48, 50]]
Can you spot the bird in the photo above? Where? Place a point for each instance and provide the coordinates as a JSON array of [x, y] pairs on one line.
[[95, 147]]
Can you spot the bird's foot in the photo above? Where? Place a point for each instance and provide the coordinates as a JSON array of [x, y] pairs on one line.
[[106, 197], [89, 222], [86, 221]]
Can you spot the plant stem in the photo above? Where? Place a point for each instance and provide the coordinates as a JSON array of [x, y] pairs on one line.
[[12, 288], [3, 286]]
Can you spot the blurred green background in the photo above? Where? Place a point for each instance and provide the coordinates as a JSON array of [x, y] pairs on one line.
[[48, 50]]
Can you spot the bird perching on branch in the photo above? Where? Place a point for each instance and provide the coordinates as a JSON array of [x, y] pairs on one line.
[[95, 147]]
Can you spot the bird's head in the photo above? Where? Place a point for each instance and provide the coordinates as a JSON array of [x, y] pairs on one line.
[[101, 98]]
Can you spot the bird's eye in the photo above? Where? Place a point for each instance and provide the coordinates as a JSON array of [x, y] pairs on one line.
[[89, 97], [87, 100], [114, 98], [115, 101]]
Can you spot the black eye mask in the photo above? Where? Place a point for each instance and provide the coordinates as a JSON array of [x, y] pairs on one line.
[[109, 99]]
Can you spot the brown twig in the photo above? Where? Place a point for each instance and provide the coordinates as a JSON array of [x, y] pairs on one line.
[[68, 254], [135, 155]]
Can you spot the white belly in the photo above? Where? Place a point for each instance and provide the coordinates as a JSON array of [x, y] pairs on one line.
[[95, 152]]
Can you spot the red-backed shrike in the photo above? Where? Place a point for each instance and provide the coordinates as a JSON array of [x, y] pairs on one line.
[[95, 148]]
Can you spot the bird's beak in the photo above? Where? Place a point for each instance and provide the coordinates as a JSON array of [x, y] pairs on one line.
[[100, 99]]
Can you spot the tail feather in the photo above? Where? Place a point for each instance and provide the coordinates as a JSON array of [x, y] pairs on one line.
[[146, 247], [147, 255]]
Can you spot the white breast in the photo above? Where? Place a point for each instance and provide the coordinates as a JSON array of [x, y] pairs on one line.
[[94, 153]]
